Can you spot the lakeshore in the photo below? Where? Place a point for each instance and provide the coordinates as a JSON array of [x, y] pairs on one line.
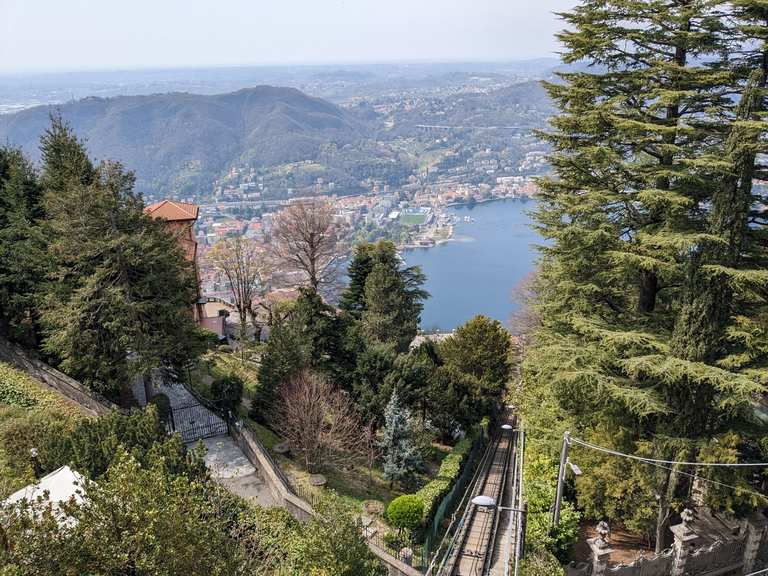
[[477, 271]]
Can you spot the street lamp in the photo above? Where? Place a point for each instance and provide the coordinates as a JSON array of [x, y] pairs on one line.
[[489, 502], [565, 462], [574, 468]]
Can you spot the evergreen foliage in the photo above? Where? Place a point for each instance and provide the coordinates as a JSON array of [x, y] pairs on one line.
[[227, 392], [388, 317], [481, 349], [119, 283], [366, 256], [401, 455], [652, 292], [405, 512], [23, 262]]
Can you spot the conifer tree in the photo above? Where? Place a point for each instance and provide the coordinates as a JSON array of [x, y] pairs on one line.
[[120, 292], [655, 256], [22, 247], [401, 455], [389, 316], [366, 256]]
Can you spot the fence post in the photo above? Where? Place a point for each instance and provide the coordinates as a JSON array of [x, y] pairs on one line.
[[684, 538], [600, 549], [756, 529]]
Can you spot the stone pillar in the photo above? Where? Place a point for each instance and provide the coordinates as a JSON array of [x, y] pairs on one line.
[[757, 525], [684, 539], [600, 549]]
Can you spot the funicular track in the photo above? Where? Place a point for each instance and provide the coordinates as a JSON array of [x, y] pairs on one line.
[[472, 546]]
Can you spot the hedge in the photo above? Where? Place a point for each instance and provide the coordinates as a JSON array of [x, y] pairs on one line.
[[19, 389], [432, 493]]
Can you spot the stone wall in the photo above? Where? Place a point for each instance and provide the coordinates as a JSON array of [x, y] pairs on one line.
[[51, 378], [739, 553], [283, 494], [273, 477]]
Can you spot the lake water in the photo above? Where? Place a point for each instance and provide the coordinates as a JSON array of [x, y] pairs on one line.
[[477, 271]]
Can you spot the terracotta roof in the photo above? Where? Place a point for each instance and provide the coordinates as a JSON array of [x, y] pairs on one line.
[[170, 210]]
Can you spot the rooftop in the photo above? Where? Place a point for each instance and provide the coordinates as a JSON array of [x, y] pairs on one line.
[[171, 210], [58, 486]]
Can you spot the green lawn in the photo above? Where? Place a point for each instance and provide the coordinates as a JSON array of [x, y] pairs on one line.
[[413, 219]]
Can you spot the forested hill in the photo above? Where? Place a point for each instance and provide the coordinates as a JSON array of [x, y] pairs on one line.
[[182, 142]]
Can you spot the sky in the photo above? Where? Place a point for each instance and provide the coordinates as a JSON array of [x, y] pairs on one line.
[[64, 35]]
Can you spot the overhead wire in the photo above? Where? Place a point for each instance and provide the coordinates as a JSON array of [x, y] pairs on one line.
[[662, 464], [672, 462]]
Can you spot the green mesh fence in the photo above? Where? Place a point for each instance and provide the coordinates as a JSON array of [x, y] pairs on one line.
[[434, 531]]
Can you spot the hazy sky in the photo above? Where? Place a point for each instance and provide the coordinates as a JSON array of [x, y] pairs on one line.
[[81, 34]]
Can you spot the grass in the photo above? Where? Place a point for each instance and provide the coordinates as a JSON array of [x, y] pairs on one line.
[[216, 364], [19, 389], [29, 412], [354, 485], [412, 219]]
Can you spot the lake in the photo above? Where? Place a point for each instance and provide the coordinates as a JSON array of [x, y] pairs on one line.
[[477, 271]]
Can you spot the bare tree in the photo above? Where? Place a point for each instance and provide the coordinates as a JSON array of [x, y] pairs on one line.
[[247, 266], [371, 449], [319, 422], [305, 239]]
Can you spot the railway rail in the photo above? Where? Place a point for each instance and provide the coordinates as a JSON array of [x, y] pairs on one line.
[[475, 545]]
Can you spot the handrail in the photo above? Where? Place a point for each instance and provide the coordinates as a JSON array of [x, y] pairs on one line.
[[496, 515], [461, 526]]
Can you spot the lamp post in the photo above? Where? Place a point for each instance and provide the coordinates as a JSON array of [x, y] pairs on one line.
[[564, 462], [489, 502]]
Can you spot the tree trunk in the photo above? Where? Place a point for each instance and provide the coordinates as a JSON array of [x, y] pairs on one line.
[[649, 287]]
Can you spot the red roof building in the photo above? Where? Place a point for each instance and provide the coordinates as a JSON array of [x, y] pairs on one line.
[[180, 218]]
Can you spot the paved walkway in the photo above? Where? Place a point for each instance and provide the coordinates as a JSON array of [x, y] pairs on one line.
[[227, 463], [231, 469]]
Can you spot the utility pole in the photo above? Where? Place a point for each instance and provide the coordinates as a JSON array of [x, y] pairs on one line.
[[561, 479]]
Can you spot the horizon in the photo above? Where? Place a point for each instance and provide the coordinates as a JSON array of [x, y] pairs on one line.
[[44, 72], [48, 37]]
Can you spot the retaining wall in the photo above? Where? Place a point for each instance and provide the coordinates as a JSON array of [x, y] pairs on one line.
[[282, 493], [51, 378]]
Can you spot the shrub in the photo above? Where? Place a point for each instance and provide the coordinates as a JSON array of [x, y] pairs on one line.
[[541, 563], [227, 392], [405, 512], [541, 475], [395, 540], [450, 468]]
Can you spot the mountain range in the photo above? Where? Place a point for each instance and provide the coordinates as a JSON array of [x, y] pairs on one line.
[[182, 142]]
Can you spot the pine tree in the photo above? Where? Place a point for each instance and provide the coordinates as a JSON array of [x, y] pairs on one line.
[[23, 263], [366, 256], [121, 290], [653, 266], [401, 455], [389, 316]]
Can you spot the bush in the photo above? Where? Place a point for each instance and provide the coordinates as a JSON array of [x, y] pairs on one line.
[[163, 405], [405, 512], [227, 392], [450, 468], [395, 540], [541, 475], [541, 563]]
